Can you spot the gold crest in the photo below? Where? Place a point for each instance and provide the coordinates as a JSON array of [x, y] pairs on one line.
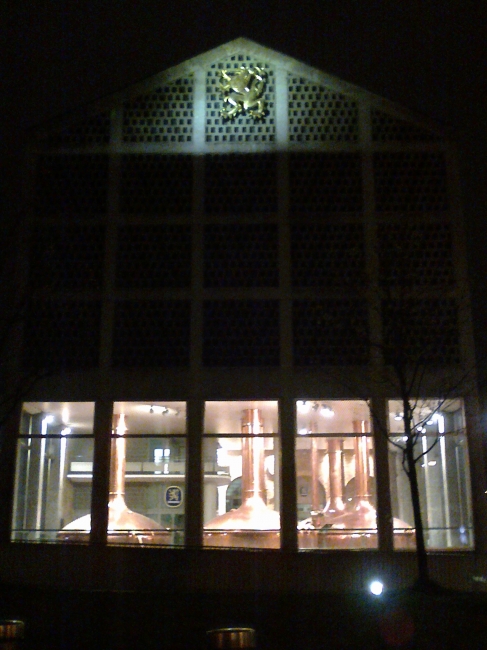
[[242, 92]]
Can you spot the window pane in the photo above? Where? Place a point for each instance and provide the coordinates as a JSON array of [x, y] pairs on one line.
[[241, 498], [335, 475], [443, 474], [53, 475], [147, 475]]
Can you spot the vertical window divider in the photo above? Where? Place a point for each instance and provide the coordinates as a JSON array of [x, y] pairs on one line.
[[102, 430], [10, 437], [193, 500], [379, 417], [477, 471], [287, 428]]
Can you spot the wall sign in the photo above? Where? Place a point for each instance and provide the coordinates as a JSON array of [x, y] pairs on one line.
[[173, 497]]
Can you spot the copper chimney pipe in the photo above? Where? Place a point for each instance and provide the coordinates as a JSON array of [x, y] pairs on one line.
[[335, 505], [253, 524], [124, 526], [315, 472], [320, 517], [253, 478], [361, 445]]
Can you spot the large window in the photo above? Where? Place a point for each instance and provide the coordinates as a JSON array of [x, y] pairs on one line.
[[335, 475], [241, 474], [241, 496], [54, 465], [442, 471], [147, 475]]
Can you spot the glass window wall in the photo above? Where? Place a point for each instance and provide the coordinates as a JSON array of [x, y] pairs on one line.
[[54, 471], [241, 475], [335, 475], [443, 474]]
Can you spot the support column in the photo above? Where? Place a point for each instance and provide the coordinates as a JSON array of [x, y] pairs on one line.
[[289, 522], [8, 448], [193, 505], [102, 430], [478, 475], [380, 416]]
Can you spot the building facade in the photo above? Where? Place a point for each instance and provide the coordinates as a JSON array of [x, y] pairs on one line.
[[229, 267]]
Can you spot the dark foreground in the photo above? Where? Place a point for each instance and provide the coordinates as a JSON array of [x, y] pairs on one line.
[[79, 620]]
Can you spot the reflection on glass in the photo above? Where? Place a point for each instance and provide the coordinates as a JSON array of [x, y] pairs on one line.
[[241, 501], [54, 464], [442, 470]]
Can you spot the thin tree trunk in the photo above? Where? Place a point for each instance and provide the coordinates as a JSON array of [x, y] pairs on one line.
[[422, 558]]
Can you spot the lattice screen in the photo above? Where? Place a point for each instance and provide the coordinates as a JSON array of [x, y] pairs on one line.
[[151, 334], [62, 334], [153, 256], [415, 255], [94, 130], [243, 128], [241, 184], [163, 115], [387, 128], [156, 185], [241, 255], [241, 333], [421, 331], [67, 256], [410, 181], [71, 185], [318, 114], [240, 192], [330, 255], [330, 332], [321, 183]]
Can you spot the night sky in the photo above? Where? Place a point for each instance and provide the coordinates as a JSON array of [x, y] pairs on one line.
[[426, 55]]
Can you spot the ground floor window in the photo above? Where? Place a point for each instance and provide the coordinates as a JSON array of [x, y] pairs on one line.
[[241, 474], [443, 473], [238, 485], [54, 469], [147, 473], [335, 475]]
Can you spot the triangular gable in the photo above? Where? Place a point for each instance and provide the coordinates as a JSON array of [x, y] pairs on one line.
[[181, 108]]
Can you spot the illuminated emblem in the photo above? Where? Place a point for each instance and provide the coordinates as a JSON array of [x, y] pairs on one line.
[[174, 496], [242, 92]]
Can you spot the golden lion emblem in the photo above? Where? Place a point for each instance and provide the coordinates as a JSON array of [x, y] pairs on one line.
[[242, 92]]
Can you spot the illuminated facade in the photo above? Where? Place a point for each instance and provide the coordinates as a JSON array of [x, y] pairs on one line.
[[208, 254]]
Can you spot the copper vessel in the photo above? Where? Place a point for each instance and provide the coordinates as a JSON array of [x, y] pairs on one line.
[[335, 505], [338, 527], [11, 629], [124, 525], [231, 638], [253, 524]]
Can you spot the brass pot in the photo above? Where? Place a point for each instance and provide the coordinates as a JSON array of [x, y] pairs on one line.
[[11, 630], [229, 638]]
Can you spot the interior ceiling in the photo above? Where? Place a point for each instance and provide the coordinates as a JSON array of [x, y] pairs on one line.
[[221, 417]]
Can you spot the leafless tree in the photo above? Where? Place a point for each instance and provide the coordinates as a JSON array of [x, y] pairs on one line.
[[418, 351]]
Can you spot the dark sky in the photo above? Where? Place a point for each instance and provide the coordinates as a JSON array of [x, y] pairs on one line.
[[428, 56]]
